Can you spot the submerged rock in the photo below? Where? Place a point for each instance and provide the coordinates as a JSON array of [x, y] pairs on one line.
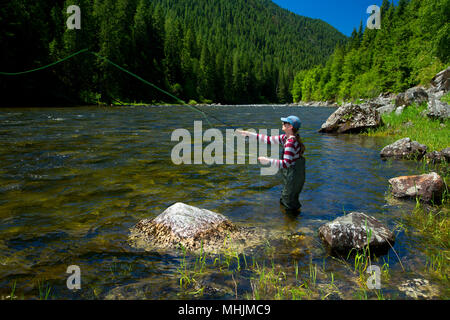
[[427, 187], [191, 227], [145, 289], [419, 288], [404, 149], [351, 232], [352, 118]]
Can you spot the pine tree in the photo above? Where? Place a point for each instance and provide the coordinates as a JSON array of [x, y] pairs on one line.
[[172, 50]]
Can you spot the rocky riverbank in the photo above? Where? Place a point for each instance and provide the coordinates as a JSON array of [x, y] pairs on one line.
[[351, 118], [390, 102]]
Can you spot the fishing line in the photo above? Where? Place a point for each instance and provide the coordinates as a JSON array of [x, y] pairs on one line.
[[46, 66], [86, 50]]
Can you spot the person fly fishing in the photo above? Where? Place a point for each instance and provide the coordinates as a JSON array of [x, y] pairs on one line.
[[292, 163]]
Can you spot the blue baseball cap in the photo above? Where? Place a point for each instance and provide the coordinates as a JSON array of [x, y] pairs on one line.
[[294, 121]]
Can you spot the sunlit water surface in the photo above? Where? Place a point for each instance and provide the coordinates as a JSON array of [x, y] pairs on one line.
[[73, 181]]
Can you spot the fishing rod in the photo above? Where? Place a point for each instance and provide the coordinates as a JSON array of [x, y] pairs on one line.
[[205, 114]]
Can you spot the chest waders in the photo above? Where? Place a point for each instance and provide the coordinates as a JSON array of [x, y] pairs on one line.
[[293, 181]]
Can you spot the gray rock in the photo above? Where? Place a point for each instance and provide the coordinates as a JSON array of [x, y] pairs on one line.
[[371, 105], [437, 95], [413, 95], [404, 149], [386, 109], [428, 187], [441, 81], [351, 119], [351, 232], [438, 110]]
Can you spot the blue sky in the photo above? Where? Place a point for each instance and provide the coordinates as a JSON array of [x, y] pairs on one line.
[[344, 15]]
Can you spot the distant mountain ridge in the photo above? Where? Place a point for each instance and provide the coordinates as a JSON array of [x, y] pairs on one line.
[[261, 34], [262, 25]]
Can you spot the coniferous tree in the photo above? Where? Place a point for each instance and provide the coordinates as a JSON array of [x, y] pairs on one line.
[[409, 49]]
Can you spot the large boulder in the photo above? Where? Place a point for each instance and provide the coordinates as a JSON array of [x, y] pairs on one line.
[[352, 118], [404, 149], [351, 232], [438, 110], [193, 228], [441, 81], [428, 187], [413, 95]]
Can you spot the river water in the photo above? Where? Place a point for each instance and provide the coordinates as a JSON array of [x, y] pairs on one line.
[[73, 181]]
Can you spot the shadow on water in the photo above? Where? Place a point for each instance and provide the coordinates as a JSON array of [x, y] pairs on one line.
[[73, 182]]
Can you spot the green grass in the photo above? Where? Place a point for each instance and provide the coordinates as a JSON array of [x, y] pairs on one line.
[[272, 281], [433, 225], [432, 133], [189, 273], [13, 290], [446, 98], [44, 290]]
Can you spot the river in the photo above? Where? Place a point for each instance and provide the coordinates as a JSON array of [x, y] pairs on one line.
[[73, 181]]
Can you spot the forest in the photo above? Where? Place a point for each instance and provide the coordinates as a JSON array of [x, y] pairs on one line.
[[412, 45], [223, 51]]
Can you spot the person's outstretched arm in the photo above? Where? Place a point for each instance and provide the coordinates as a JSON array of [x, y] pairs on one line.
[[291, 148], [262, 137]]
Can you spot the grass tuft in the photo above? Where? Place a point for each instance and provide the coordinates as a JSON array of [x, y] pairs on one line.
[[435, 134]]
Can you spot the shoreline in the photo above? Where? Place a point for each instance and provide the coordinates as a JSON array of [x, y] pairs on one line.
[[298, 104]]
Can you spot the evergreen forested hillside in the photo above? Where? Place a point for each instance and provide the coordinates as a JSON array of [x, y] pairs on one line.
[[412, 45], [228, 51]]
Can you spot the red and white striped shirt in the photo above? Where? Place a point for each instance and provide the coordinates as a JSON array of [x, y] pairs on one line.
[[293, 150]]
